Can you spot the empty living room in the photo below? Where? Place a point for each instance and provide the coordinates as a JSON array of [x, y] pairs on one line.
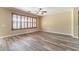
[[39, 29]]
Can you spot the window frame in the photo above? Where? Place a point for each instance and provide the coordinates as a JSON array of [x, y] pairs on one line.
[[31, 17]]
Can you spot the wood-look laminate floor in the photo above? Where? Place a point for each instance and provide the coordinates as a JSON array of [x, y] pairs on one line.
[[39, 41]]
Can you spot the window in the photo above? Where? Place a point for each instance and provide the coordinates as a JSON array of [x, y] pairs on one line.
[[34, 22], [26, 22], [23, 22]]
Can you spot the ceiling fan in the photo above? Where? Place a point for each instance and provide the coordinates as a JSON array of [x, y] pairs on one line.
[[39, 11]]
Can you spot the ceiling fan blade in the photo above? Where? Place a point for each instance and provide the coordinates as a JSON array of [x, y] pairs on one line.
[[45, 11]]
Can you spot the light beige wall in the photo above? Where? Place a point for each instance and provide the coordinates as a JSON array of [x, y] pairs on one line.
[[5, 24], [59, 22]]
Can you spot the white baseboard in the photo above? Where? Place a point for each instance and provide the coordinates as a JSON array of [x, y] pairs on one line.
[[61, 33], [74, 36], [58, 33], [43, 31], [1, 37], [17, 34]]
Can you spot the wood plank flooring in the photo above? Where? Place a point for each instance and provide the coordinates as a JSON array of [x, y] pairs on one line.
[[39, 41]]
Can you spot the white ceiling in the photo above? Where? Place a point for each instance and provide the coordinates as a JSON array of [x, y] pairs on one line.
[[50, 10]]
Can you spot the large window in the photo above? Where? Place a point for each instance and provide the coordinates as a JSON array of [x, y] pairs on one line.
[[23, 22]]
